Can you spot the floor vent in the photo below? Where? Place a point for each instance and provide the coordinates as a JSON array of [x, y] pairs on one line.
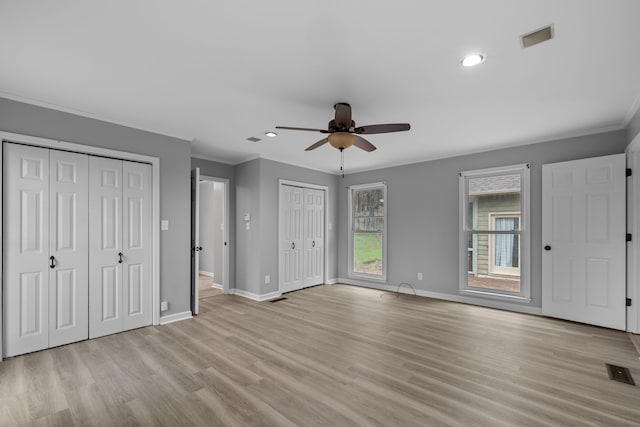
[[278, 299], [620, 373]]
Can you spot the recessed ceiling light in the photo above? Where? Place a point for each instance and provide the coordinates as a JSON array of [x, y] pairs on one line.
[[472, 59], [271, 134]]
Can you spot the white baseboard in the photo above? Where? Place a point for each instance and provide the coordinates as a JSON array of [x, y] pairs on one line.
[[206, 273], [176, 317], [217, 286], [331, 281], [447, 297], [255, 297]]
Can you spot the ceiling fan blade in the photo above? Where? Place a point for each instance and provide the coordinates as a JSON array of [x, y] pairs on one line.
[[309, 129], [391, 127], [317, 144], [343, 115], [363, 144]]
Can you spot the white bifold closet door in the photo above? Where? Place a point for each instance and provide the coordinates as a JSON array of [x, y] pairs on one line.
[[120, 246], [46, 248], [301, 237]]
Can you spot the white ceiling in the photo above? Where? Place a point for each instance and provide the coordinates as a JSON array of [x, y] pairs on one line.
[[217, 72]]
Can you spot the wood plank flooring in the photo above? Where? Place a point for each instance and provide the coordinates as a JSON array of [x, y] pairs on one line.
[[205, 288], [331, 356]]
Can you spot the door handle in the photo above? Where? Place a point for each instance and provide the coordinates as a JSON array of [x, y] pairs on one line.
[[313, 244], [547, 248], [119, 257], [199, 248], [293, 245], [52, 260]]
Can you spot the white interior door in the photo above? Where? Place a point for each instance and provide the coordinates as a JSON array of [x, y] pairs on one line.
[[105, 245], [313, 237], [583, 232], [291, 238], [26, 248], [195, 239], [136, 245], [69, 247]]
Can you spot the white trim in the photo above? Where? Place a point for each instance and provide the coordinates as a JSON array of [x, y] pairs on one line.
[[212, 159], [64, 109], [525, 233], [106, 152], [176, 317], [331, 281], [324, 188], [500, 305], [205, 273], [350, 272], [633, 227], [255, 297]]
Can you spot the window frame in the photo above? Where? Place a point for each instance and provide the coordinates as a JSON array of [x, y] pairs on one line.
[[493, 268], [465, 232], [350, 193]]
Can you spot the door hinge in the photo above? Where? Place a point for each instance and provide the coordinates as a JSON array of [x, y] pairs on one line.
[[629, 172], [629, 302], [629, 237]]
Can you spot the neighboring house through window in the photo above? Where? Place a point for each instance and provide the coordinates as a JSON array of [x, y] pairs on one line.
[[494, 234]]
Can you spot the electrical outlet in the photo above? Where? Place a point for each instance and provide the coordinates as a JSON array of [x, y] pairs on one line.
[[164, 306], [267, 279], [419, 276], [248, 225]]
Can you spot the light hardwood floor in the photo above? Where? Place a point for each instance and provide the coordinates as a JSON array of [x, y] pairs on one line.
[[331, 356], [205, 290]]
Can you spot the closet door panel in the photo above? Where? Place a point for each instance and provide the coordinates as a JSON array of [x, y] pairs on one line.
[[136, 279], [314, 237], [105, 246], [26, 248], [69, 245]]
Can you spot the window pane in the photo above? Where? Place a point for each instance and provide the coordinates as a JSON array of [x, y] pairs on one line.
[[492, 194], [367, 253], [497, 262], [368, 229]]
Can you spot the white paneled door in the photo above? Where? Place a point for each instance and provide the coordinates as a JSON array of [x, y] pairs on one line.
[[119, 240], [46, 248], [68, 247], [314, 237], [291, 237], [26, 266], [301, 237], [583, 238]]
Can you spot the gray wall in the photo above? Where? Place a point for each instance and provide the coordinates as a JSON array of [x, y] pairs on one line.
[[270, 174], [248, 241], [422, 209], [174, 157], [217, 219], [223, 170], [633, 128], [207, 211]]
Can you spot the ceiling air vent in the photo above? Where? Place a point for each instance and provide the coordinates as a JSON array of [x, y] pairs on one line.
[[538, 36], [253, 139]]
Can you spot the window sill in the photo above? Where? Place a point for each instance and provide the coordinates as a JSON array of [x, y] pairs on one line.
[[368, 277], [494, 295]]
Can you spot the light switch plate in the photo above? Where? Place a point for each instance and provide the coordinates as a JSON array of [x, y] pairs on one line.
[[164, 306], [164, 225], [248, 225]]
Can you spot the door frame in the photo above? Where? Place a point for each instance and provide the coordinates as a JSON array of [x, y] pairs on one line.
[[633, 227], [225, 234], [325, 267], [105, 152]]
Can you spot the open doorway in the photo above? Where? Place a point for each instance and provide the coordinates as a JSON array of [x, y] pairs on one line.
[[210, 234]]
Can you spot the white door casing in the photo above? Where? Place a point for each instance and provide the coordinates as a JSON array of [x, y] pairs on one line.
[[291, 238], [313, 228], [136, 245], [69, 245], [26, 249], [105, 245], [195, 239], [583, 232]]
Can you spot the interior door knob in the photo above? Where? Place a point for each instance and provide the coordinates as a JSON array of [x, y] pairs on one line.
[[52, 260], [293, 245], [547, 248], [119, 257]]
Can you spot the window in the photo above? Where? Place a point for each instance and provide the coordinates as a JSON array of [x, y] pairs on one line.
[[368, 224], [494, 232]]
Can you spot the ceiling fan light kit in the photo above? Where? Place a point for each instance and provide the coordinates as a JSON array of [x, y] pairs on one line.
[[341, 140]]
